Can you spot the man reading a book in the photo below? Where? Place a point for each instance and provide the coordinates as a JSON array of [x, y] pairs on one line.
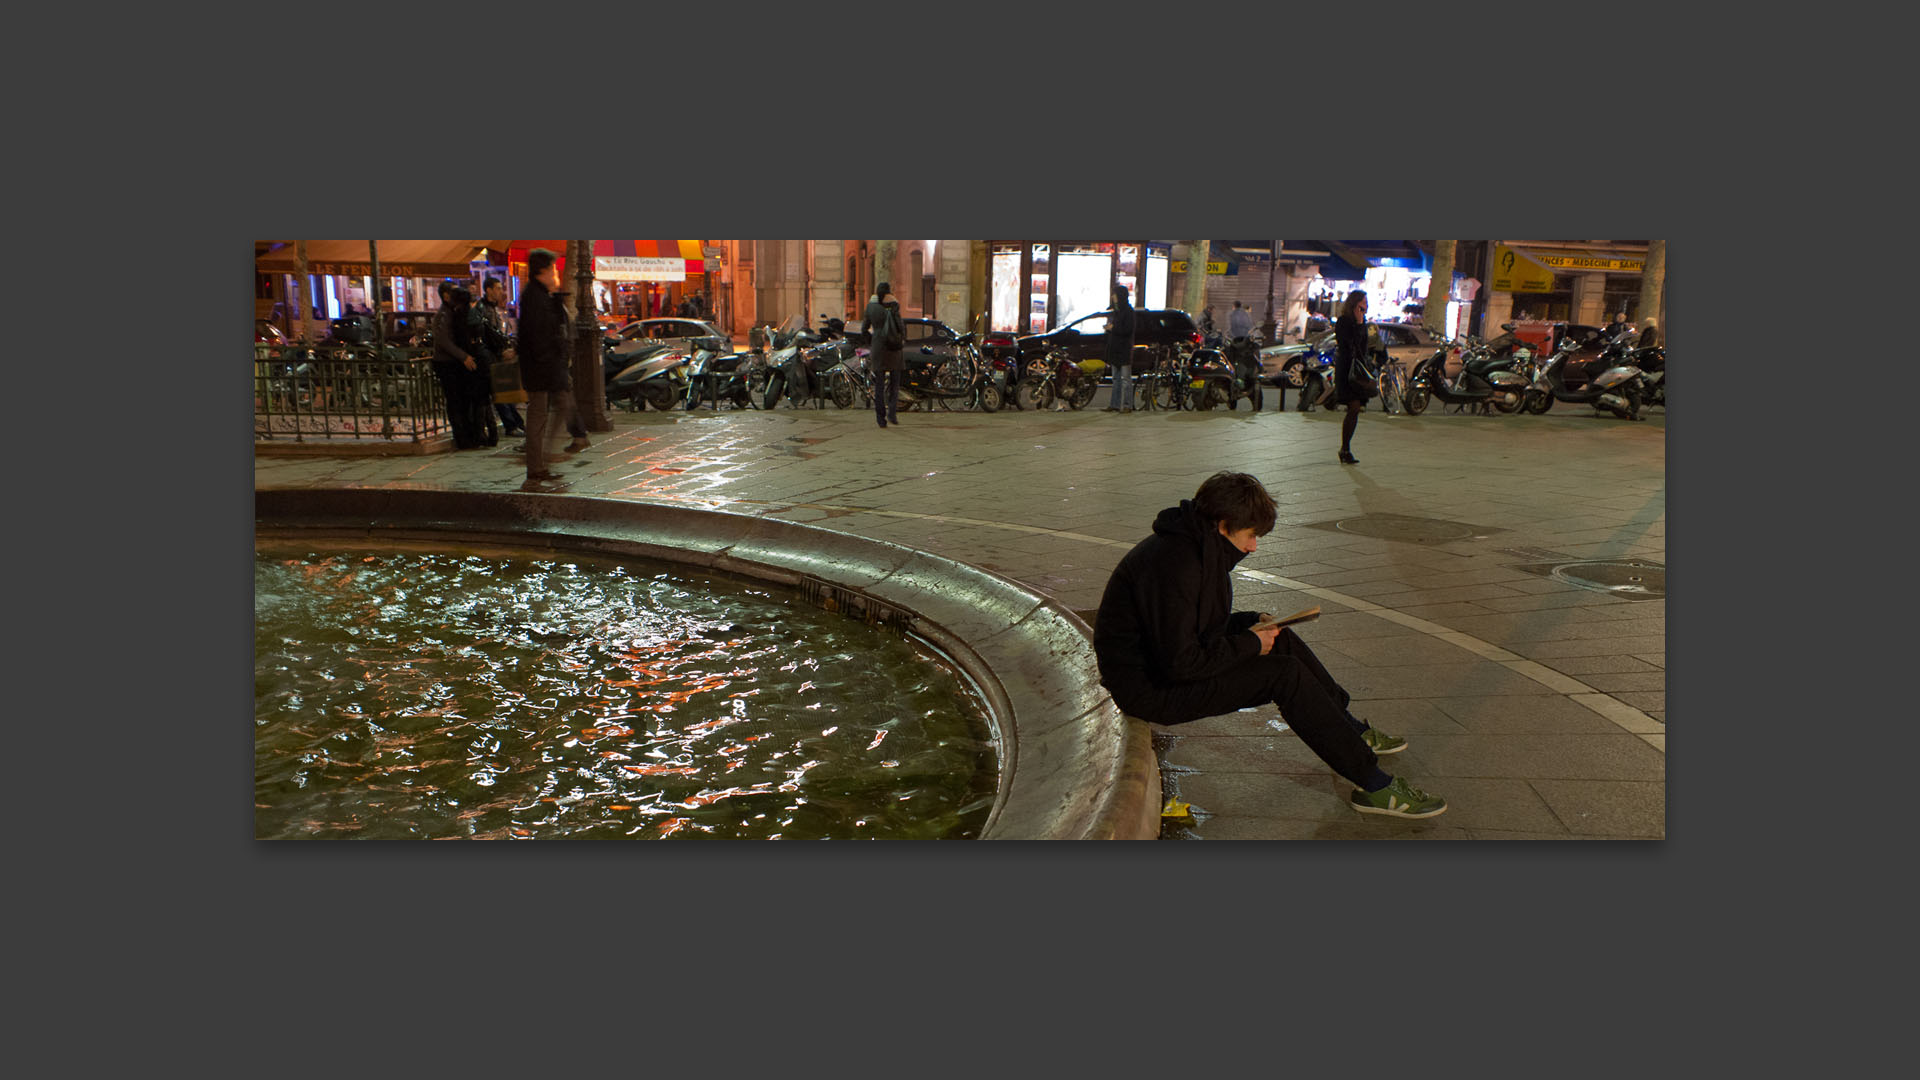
[[1171, 649]]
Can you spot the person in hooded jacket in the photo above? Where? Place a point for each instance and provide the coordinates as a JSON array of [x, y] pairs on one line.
[[1171, 649], [887, 364]]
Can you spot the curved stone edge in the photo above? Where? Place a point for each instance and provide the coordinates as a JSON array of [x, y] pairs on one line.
[[1073, 766]]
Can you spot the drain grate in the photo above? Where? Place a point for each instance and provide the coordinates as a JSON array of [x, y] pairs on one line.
[[1631, 579], [1415, 530]]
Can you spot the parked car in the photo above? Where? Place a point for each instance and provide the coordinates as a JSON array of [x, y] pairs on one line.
[[1405, 345], [1085, 338], [683, 334], [265, 333]]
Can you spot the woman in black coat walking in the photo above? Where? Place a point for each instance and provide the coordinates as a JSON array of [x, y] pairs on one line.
[[1350, 341]]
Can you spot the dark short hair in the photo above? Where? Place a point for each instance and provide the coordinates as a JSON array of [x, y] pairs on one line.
[[538, 260], [1237, 499], [491, 282], [882, 289]]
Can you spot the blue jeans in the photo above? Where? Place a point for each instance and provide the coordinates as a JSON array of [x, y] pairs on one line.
[[1122, 396]]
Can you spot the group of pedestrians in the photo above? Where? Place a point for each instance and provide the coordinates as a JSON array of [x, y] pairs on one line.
[[468, 339]]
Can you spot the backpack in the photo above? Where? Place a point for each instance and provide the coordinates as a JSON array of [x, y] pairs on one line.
[[892, 337]]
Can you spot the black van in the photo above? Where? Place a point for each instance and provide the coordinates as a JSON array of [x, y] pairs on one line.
[[1160, 330]]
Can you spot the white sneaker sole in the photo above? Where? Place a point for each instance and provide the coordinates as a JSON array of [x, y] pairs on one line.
[[1402, 812]]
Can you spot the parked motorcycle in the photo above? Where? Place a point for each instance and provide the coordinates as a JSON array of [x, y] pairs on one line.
[[1219, 373], [1484, 379], [784, 374], [1312, 373], [1619, 390], [1057, 377]]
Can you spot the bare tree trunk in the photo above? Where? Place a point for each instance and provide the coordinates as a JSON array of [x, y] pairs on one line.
[[589, 382], [1653, 279], [883, 267], [305, 288], [1196, 297], [1441, 290], [977, 264]]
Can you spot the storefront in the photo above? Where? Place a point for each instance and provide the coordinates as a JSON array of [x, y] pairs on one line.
[[632, 279], [1034, 286], [340, 277]]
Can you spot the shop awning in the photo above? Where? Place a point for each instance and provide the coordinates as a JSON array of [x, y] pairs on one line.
[[398, 258], [624, 260], [1321, 256]]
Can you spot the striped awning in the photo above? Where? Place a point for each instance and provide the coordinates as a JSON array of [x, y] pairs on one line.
[[624, 260]]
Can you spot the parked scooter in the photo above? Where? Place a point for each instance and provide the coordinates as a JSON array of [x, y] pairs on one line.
[[1619, 390], [1312, 373], [715, 376], [795, 371], [775, 376], [1652, 362], [657, 379], [1484, 379], [1230, 370]]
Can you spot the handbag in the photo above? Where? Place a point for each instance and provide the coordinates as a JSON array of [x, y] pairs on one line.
[[1361, 379], [505, 377]]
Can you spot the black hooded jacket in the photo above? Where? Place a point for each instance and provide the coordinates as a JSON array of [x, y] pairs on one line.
[[1165, 617]]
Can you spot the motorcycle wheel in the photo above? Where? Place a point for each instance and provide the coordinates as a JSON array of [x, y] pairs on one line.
[[775, 384], [840, 390], [658, 394], [1414, 401], [1506, 400], [1026, 395], [1043, 396], [1536, 402], [1633, 402], [991, 398], [1310, 392], [1082, 395], [741, 400], [757, 388]]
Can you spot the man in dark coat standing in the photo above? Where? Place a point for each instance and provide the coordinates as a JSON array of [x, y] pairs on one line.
[[887, 355], [1119, 352], [544, 369], [1172, 650]]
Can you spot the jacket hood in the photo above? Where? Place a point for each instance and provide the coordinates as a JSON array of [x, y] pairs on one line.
[[1184, 521]]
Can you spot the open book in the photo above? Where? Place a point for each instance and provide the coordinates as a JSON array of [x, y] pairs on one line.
[[1308, 615]]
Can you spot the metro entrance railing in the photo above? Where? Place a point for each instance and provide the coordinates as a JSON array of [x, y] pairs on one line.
[[333, 391]]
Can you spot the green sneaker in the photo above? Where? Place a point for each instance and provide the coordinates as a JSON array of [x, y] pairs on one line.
[[1398, 799], [1382, 743]]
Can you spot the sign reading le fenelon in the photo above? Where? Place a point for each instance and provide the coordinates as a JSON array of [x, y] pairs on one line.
[[637, 268]]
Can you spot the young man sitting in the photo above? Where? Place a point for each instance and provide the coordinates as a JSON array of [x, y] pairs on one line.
[[1172, 650]]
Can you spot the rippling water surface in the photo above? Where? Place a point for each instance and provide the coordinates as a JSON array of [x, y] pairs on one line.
[[466, 693]]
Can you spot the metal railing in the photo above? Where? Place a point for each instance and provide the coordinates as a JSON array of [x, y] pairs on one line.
[[333, 391]]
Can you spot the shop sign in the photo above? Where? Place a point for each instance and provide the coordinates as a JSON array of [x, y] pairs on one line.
[[637, 268], [1180, 267], [710, 252], [1592, 262], [1516, 272]]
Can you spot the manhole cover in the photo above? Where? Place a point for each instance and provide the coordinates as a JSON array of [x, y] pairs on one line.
[[1632, 579], [1417, 530]]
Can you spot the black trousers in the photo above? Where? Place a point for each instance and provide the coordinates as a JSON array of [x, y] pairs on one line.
[[1290, 676], [457, 386], [886, 391]]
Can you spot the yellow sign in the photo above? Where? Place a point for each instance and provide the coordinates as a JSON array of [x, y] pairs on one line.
[[1517, 272], [1591, 262], [1180, 267]]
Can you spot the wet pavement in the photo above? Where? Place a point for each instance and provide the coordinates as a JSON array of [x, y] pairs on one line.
[[1492, 587]]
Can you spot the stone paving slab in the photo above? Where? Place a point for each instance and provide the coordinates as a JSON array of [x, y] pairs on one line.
[[1445, 643]]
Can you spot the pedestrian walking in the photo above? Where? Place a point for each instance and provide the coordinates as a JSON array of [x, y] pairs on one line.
[[455, 366], [493, 333], [1171, 649], [544, 370], [887, 354], [1350, 373], [1617, 327], [1119, 351]]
